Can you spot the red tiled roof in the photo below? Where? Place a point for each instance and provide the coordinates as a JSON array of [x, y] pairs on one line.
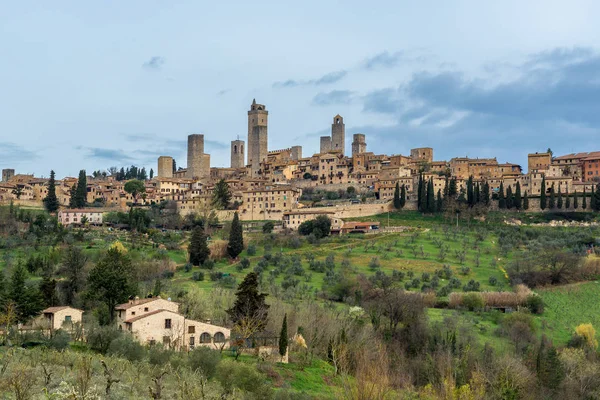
[[130, 320]]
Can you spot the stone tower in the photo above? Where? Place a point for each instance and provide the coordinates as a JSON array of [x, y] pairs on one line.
[[165, 167], [7, 174], [325, 144], [257, 135], [195, 151], [338, 134], [296, 152], [237, 154], [359, 144]]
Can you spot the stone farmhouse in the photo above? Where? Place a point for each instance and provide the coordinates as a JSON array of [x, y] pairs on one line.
[[158, 321]]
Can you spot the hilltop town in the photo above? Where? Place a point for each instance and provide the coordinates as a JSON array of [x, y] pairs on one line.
[[268, 184]]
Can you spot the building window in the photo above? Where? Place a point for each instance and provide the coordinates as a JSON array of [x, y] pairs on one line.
[[192, 342], [152, 342], [191, 329], [205, 337], [219, 337], [166, 340], [67, 318], [167, 324]]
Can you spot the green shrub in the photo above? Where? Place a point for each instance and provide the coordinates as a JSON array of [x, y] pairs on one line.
[[158, 355], [268, 227], [198, 276], [59, 341], [204, 360], [493, 281], [535, 304], [244, 377], [473, 301], [99, 338], [127, 347], [251, 250]]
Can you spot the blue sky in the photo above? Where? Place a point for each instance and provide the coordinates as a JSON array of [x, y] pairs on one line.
[[99, 84]]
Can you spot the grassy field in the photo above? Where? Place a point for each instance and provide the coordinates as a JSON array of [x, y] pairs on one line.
[[568, 306]]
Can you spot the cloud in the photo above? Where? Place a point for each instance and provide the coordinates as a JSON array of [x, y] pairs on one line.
[[327, 79], [109, 154], [333, 97], [222, 92], [384, 60], [155, 63], [385, 101], [13, 153]]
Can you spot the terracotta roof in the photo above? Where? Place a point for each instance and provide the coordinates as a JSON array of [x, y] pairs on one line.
[[83, 210], [130, 320], [128, 305], [52, 310]]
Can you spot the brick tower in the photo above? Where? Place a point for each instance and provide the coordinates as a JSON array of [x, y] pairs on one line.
[[257, 135], [338, 134]]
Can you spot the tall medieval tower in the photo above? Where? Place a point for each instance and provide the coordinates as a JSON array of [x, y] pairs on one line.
[[237, 154], [338, 134], [257, 136]]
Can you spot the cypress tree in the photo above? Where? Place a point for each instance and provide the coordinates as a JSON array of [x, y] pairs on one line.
[[397, 204], [559, 201], [552, 201], [509, 198], [501, 199], [567, 200], [81, 190], [543, 204], [446, 187], [236, 237], [596, 196], [485, 195], [430, 197], [518, 197], [51, 201], [452, 190], [283, 337], [420, 197], [584, 204], [26, 298], [403, 196], [440, 202], [198, 248], [477, 194], [151, 173], [525, 201], [470, 192], [575, 200], [73, 196]]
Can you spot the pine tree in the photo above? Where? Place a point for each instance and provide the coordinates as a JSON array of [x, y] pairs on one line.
[[151, 173], [559, 201], [403, 196], [440, 202], [198, 248], [26, 298], [543, 203], [221, 195], [430, 197], [420, 193], [501, 198], [575, 200], [518, 197], [51, 201], [584, 203], [552, 201], [249, 307], [81, 190], [509, 198], [283, 337], [525, 201], [236, 238], [48, 289], [567, 200], [397, 204]]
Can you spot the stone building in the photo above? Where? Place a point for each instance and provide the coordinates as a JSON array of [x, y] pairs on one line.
[[338, 134], [257, 136], [237, 154], [270, 202], [293, 219], [165, 167], [359, 144], [423, 154], [196, 163], [75, 216], [296, 153], [325, 144], [7, 174], [62, 316], [538, 162]]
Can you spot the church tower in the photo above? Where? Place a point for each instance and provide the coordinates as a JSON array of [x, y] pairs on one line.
[[338, 134], [257, 136]]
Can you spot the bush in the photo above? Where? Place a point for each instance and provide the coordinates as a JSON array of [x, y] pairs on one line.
[[251, 250], [208, 264], [243, 264], [99, 338], [374, 263], [465, 270], [157, 355], [216, 275], [493, 281], [268, 227], [168, 274], [473, 301], [244, 377], [187, 267], [198, 276], [227, 281], [472, 286], [535, 304], [59, 340], [126, 347], [204, 360]]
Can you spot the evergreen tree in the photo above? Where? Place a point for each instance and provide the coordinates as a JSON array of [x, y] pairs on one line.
[[559, 200], [73, 264], [525, 201], [81, 190], [501, 199], [236, 237], [552, 201], [446, 187], [584, 203], [112, 280], [73, 196], [48, 289], [249, 307], [518, 198], [402, 196], [575, 201], [283, 337], [198, 248], [543, 200], [151, 173], [51, 201], [440, 202], [485, 194], [420, 193], [26, 298], [430, 197], [397, 204], [470, 192], [453, 190], [142, 175], [509, 198], [596, 197], [174, 166], [567, 200], [221, 195], [477, 194]]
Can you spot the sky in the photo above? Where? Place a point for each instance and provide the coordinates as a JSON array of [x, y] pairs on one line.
[[90, 85]]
